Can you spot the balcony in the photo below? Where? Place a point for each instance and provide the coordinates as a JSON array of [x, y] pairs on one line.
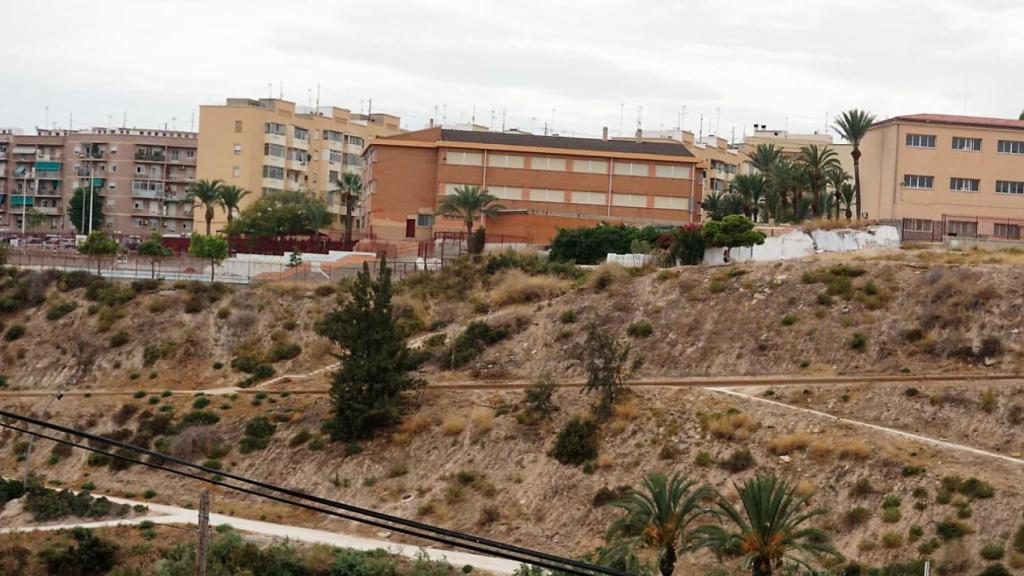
[[48, 175], [94, 152], [48, 191], [48, 210], [18, 200], [150, 155]]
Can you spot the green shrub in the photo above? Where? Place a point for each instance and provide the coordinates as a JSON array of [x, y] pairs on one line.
[[914, 533], [14, 332], [738, 461], [157, 351], [892, 540], [592, 245], [300, 438], [861, 488], [149, 494], [61, 309], [789, 320], [258, 432], [892, 501], [120, 338], [891, 515], [974, 488], [90, 556], [995, 570], [824, 299], [567, 316], [199, 418], [951, 529], [3, 381], [640, 329], [577, 442], [993, 551], [472, 342], [139, 394], [703, 459], [283, 351], [858, 342], [201, 402], [856, 516]]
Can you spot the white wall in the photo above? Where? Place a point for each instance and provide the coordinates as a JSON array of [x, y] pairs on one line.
[[799, 244]]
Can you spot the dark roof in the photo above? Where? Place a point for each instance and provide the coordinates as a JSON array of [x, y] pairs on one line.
[[955, 120], [568, 143]]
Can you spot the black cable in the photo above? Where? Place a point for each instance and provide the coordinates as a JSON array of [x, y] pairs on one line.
[[323, 501], [374, 523]]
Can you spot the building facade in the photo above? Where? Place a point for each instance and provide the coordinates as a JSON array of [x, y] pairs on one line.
[[270, 145], [140, 174], [961, 173], [542, 182], [791, 144]]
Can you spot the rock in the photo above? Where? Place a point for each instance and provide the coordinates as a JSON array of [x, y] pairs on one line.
[[990, 362], [784, 459]]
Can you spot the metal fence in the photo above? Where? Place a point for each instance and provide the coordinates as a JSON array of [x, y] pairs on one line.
[[959, 226]]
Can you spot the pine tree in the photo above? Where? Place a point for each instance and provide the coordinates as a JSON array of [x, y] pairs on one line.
[[375, 363]]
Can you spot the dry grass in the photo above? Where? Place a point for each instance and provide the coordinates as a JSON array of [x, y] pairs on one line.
[[839, 224], [415, 424], [617, 426], [629, 410], [516, 287], [820, 450], [605, 461], [736, 427], [789, 443], [853, 450], [452, 425], [482, 419], [805, 487], [605, 275]]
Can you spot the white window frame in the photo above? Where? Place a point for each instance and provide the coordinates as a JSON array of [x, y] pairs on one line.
[[1007, 227], [964, 184], [631, 169], [464, 158], [916, 181], [917, 225], [547, 195], [677, 171], [629, 200], [505, 161], [589, 198], [506, 192], [959, 225], [967, 144], [547, 163], [672, 203], [590, 166], [925, 141], [1010, 187], [1015, 147]]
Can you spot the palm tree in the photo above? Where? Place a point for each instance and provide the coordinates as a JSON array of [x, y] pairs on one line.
[[844, 198], [469, 203], [783, 177], [713, 203], [351, 193], [751, 188], [769, 530], [319, 217], [205, 193], [836, 177], [853, 125], [230, 197], [764, 156], [660, 515], [816, 163]]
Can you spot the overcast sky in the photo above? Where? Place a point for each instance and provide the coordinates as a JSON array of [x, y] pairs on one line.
[[575, 65]]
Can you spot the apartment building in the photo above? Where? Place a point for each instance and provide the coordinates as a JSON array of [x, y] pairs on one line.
[[964, 174], [792, 143], [543, 182], [722, 161], [270, 145], [140, 174]]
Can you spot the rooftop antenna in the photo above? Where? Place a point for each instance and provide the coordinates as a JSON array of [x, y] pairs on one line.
[[318, 96], [502, 119], [444, 116], [732, 139], [700, 136], [639, 117], [369, 108], [124, 118], [472, 117], [280, 90], [71, 120], [270, 90], [682, 119]]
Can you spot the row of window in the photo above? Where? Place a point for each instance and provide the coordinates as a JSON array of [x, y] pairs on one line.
[[279, 129], [581, 197], [965, 143], [337, 157], [962, 184], [588, 166], [963, 228]]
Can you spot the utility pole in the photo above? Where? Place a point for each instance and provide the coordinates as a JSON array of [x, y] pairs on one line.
[[203, 532]]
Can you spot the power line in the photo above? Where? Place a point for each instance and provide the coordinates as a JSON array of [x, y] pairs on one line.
[[376, 519]]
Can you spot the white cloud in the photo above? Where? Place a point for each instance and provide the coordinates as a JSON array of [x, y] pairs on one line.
[[736, 63]]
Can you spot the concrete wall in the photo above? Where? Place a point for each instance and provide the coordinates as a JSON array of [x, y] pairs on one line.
[[798, 244]]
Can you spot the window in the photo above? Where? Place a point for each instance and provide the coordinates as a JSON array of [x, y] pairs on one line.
[[631, 169], [333, 136], [921, 140], [275, 128], [334, 157], [275, 172], [1007, 231], [506, 192], [1011, 147], [236, 171], [353, 140], [590, 166], [332, 176], [463, 158], [301, 133], [546, 195], [112, 186], [297, 155], [962, 143], [450, 188], [113, 167], [917, 225], [547, 163], [596, 198], [1009, 187], [140, 169], [671, 203], [678, 172], [190, 153], [351, 159], [273, 150], [238, 149], [424, 220], [964, 184], [505, 161], [961, 228], [238, 126], [630, 200], [915, 181]]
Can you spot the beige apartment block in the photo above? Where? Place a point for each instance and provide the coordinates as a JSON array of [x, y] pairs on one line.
[[722, 161], [925, 168], [791, 144], [140, 174], [270, 145]]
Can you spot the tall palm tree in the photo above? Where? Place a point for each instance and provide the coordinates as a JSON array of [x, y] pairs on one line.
[[205, 193], [469, 203], [660, 515], [351, 194], [714, 204], [769, 529], [836, 177], [853, 125], [844, 199], [230, 197], [764, 156], [751, 188], [816, 161], [784, 178]]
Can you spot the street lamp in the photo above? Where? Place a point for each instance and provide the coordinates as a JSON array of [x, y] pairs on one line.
[[31, 438]]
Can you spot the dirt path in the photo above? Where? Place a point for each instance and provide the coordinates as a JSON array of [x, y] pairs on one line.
[[162, 514], [885, 430]]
